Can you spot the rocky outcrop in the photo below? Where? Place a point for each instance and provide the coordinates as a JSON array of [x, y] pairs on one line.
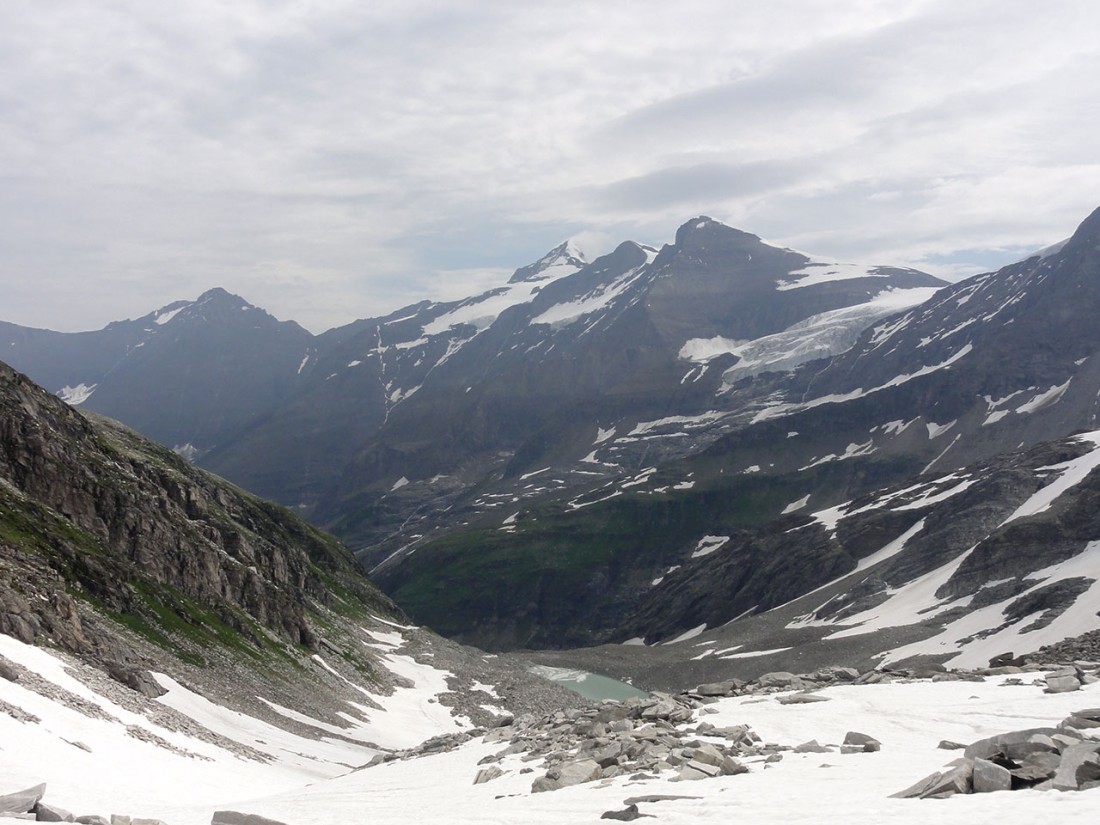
[[28, 805], [1062, 758], [99, 526]]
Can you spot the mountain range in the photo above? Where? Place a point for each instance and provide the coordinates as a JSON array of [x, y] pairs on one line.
[[655, 442]]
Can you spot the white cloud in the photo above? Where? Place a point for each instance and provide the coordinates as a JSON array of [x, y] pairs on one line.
[[324, 158]]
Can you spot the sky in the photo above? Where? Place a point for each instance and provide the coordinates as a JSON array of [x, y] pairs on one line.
[[332, 159]]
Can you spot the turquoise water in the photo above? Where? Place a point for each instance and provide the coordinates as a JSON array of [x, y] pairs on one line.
[[590, 685]]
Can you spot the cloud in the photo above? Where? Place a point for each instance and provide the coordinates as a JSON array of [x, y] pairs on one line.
[[329, 159]]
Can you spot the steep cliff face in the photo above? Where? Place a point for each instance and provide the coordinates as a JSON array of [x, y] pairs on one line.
[[100, 528]]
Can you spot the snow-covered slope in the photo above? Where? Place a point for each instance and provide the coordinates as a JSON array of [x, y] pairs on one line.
[[966, 565], [181, 765]]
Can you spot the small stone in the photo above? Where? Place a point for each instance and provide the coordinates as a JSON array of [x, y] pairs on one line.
[[948, 745], [813, 746]]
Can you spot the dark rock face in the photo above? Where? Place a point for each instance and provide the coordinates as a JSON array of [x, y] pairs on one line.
[[191, 375], [93, 515]]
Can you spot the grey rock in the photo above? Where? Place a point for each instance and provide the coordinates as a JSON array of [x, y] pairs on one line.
[[1079, 722], [1037, 767], [948, 745], [938, 785], [120, 819], [22, 802], [44, 812], [813, 746], [989, 777], [1065, 739], [690, 774], [710, 755], [839, 674], [571, 773], [1080, 764], [627, 814], [656, 797], [8, 672], [866, 743], [993, 745], [237, 818], [93, 819], [801, 699], [137, 820], [715, 689], [779, 679], [1062, 684], [483, 776]]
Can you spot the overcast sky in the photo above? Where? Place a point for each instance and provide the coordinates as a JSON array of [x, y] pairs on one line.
[[336, 159]]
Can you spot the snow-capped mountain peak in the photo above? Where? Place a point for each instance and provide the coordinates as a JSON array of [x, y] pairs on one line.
[[564, 259]]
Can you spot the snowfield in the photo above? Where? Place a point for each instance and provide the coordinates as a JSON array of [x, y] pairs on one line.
[[94, 765]]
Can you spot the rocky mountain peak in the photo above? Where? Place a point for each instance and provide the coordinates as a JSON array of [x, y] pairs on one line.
[[703, 231], [563, 259]]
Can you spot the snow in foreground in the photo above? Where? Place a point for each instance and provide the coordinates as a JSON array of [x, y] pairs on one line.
[[314, 781]]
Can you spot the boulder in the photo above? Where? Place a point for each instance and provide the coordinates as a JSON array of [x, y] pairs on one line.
[[993, 745], [715, 689], [860, 741], [22, 802], [8, 672], [136, 679], [779, 679], [938, 785], [1080, 765], [1037, 767], [813, 746], [801, 699], [627, 814], [710, 755], [837, 674], [563, 776], [236, 818], [1006, 660], [44, 812], [989, 777], [1062, 684], [483, 776]]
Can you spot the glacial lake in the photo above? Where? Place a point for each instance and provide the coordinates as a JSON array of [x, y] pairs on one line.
[[589, 685]]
